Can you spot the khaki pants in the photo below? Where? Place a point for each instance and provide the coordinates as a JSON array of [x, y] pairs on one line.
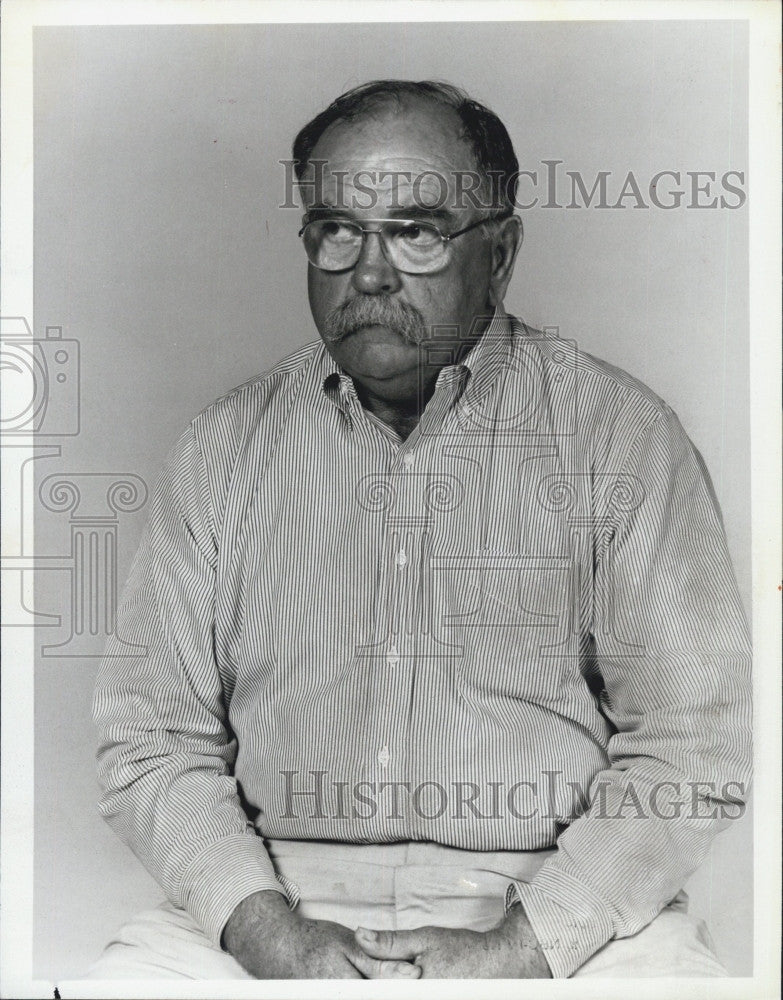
[[398, 887]]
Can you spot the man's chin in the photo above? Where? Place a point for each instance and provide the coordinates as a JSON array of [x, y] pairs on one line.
[[377, 355]]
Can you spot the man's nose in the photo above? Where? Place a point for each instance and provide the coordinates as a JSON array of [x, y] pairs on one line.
[[372, 273]]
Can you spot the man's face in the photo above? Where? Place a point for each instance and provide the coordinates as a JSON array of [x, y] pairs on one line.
[[382, 354]]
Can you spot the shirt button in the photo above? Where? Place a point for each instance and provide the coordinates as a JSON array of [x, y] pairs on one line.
[[408, 461], [401, 559], [392, 657], [384, 756]]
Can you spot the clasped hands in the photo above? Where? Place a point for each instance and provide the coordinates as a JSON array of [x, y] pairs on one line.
[[272, 942]]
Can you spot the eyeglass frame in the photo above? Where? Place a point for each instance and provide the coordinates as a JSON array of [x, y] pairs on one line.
[[444, 238]]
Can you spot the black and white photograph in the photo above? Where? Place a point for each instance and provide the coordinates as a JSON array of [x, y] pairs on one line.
[[391, 548]]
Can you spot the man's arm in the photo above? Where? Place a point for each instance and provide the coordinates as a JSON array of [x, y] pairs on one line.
[[166, 751], [671, 647]]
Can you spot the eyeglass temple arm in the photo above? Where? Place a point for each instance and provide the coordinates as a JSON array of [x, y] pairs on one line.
[[467, 229]]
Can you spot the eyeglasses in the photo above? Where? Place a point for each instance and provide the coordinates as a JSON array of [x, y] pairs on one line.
[[409, 246]]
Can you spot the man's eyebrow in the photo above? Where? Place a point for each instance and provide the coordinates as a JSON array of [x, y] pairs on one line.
[[320, 208], [421, 213], [417, 212]]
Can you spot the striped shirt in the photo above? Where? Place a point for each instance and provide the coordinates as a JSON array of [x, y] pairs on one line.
[[515, 629]]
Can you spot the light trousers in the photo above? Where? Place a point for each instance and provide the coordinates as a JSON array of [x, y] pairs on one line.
[[398, 887]]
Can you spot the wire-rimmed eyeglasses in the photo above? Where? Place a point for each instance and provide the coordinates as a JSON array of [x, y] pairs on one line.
[[409, 245]]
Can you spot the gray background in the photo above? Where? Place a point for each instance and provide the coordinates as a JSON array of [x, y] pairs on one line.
[[160, 247]]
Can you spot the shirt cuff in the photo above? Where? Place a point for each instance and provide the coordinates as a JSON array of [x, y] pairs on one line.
[[569, 920], [224, 874]]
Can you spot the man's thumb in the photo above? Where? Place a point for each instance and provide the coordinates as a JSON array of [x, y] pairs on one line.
[[385, 944]]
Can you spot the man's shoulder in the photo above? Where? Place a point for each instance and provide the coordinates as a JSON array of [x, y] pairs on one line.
[[266, 394], [599, 389]]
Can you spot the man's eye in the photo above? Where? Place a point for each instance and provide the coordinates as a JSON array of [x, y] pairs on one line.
[[418, 235], [336, 230]]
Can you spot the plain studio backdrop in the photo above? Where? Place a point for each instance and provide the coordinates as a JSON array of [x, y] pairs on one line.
[[160, 247]]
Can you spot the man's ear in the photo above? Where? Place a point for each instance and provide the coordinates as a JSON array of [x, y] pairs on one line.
[[506, 241]]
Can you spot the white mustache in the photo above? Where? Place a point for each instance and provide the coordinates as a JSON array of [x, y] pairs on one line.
[[375, 310]]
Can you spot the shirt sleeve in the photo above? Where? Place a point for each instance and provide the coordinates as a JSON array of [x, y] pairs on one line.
[[166, 750], [670, 650]]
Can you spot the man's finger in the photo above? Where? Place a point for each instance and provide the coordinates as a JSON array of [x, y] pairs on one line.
[[375, 968], [388, 944]]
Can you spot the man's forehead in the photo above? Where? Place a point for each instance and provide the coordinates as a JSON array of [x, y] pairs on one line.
[[411, 153], [413, 134], [381, 184]]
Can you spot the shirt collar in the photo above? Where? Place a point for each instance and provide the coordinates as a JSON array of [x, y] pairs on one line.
[[489, 355]]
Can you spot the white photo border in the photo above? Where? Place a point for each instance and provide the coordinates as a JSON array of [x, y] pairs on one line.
[[16, 298]]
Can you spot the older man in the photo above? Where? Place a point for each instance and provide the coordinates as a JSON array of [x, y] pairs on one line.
[[447, 673]]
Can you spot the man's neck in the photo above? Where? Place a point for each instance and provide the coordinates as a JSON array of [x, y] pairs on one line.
[[402, 415]]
